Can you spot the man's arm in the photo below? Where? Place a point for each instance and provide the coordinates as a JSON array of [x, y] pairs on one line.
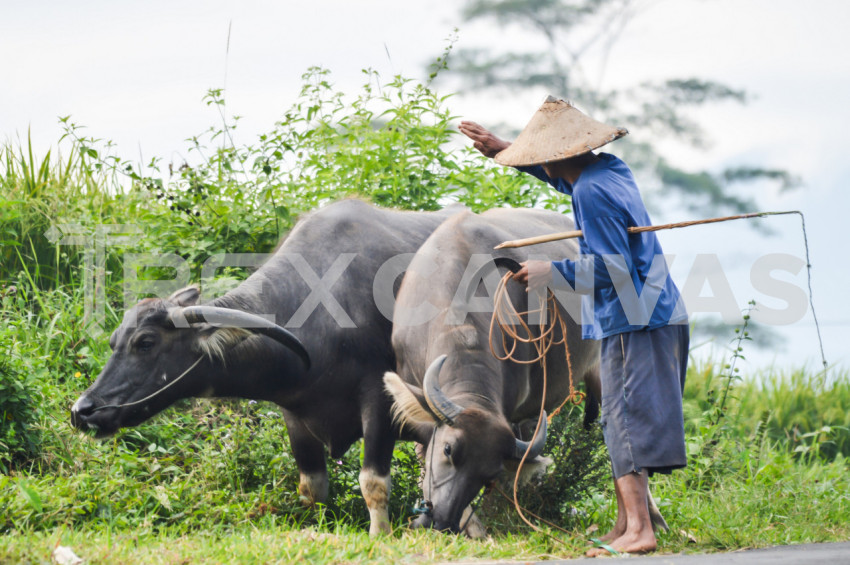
[[605, 237], [483, 140]]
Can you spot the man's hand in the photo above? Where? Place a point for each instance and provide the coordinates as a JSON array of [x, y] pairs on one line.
[[535, 274], [487, 143]]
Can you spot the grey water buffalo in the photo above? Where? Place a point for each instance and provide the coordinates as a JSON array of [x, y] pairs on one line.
[[325, 370], [450, 393]]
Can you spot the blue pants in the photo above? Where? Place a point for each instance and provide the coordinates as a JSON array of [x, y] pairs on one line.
[[643, 376]]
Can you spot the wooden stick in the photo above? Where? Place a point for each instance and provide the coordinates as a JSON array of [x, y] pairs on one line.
[[636, 229]]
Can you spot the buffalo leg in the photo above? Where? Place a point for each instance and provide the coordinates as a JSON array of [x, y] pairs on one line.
[[376, 492], [375, 481], [309, 455]]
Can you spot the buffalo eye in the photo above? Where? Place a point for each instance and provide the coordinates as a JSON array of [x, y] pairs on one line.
[[447, 450], [146, 344]]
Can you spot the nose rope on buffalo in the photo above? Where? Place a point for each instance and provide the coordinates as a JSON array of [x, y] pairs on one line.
[[153, 394], [514, 330]]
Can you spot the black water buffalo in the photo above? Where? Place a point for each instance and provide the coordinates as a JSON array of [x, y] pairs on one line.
[[451, 394], [325, 283]]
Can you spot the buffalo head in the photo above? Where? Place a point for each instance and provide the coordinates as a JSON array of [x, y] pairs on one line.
[[166, 350], [467, 448]]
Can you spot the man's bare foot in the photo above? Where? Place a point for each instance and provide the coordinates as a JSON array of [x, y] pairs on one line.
[[617, 531], [613, 534], [630, 542]]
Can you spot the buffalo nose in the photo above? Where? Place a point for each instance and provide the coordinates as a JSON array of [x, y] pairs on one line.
[[83, 407]]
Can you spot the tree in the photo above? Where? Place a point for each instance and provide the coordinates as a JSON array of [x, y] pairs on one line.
[[570, 37]]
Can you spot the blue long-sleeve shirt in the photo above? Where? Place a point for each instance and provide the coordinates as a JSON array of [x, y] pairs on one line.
[[623, 278]]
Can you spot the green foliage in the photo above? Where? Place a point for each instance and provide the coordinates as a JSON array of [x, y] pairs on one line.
[[579, 465], [38, 194], [19, 405], [386, 143], [807, 411]]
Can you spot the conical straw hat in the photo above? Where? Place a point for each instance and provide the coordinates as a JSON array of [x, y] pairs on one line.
[[557, 131]]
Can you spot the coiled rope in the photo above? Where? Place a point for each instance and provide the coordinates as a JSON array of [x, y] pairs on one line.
[[514, 330]]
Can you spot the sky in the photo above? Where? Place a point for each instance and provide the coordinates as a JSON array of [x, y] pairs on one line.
[[135, 73]]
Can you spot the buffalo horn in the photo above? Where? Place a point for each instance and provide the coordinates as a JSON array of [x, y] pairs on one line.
[[228, 317], [497, 263], [536, 446], [446, 410]]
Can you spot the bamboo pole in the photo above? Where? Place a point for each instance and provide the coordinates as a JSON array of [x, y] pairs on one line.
[[636, 229], [639, 229]]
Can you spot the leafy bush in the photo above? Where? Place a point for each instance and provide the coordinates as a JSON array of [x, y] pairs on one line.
[[19, 407], [579, 466]]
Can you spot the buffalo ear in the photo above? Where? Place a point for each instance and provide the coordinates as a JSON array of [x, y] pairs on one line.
[[409, 404], [186, 296], [531, 469]]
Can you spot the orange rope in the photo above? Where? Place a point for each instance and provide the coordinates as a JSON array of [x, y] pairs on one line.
[[505, 317], [536, 517]]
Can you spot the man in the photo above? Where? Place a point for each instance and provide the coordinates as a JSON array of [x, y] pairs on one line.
[[629, 302]]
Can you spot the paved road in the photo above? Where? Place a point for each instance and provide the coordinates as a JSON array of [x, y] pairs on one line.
[[805, 554], [812, 553]]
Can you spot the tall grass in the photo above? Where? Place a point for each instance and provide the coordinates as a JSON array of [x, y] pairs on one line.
[[807, 411], [802, 411], [37, 193]]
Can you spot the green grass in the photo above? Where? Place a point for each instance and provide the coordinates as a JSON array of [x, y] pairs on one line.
[[208, 482], [274, 545], [783, 503]]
